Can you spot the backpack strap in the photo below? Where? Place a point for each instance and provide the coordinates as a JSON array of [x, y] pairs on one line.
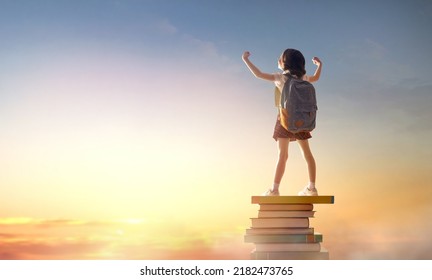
[[287, 83]]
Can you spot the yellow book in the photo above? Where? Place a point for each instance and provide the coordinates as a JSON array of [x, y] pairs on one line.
[[326, 199]]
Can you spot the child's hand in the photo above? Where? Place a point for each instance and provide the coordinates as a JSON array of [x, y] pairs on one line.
[[316, 61], [246, 55]]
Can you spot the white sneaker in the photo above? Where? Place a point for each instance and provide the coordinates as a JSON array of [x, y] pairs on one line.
[[269, 192], [308, 192]]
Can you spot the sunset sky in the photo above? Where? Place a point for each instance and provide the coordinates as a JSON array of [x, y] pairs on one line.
[[132, 129]]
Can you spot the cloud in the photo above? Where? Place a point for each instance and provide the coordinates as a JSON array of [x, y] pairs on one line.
[[15, 221], [378, 243], [206, 47], [370, 62], [114, 249], [365, 239], [7, 235], [384, 233], [186, 49], [29, 238], [29, 249], [164, 26], [361, 50], [365, 49]]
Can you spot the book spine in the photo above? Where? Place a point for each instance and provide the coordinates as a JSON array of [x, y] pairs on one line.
[[282, 230], [285, 214], [280, 222], [282, 247], [284, 238], [323, 254], [286, 207], [275, 231]]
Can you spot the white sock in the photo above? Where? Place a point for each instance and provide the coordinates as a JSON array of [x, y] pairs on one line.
[[311, 186], [275, 187]]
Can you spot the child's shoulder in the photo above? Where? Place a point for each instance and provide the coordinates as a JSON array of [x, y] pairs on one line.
[[280, 77]]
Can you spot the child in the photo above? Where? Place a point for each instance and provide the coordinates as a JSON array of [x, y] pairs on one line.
[[291, 61]]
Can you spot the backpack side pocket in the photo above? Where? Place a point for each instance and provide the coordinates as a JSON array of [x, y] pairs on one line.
[[284, 118]]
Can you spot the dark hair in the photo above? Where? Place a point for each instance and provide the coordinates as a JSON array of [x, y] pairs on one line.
[[294, 61]]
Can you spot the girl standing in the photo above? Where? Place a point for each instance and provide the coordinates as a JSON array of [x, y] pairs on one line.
[[290, 62]]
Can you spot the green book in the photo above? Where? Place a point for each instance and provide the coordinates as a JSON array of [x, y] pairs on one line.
[[284, 238]]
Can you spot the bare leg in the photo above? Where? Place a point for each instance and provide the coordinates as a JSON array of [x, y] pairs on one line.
[[282, 159], [307, 155]]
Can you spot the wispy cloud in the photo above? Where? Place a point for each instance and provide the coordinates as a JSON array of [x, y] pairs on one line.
[[203, 50], [364, 49], [380, 242], [396, 227], [103, 240], [164, 26], [371, 61], [29, 238], [14, 221], [206, 47]]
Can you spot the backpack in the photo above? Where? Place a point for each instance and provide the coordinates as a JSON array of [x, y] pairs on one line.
[[298, 105]]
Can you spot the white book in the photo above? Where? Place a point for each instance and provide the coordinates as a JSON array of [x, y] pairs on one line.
[[285, 214], [280, 222], [288, 247], [286, 207]]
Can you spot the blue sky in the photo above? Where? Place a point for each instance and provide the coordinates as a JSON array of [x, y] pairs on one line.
[[325, 28], [348, 36]]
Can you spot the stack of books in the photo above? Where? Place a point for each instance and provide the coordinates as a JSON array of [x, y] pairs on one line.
[[282, 229]]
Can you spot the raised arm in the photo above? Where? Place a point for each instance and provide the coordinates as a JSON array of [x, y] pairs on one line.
[[257, 73], [317, 73]]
